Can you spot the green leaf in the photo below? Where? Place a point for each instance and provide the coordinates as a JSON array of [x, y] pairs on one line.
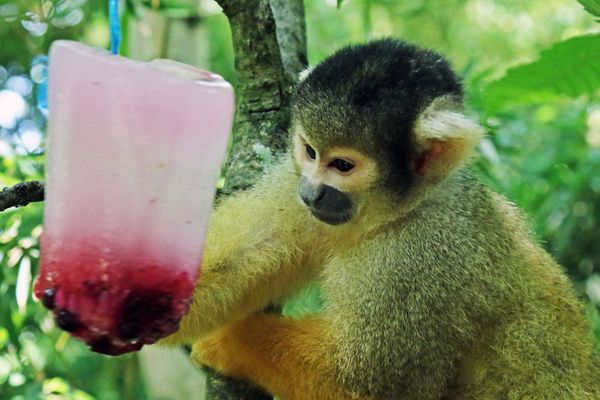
[[570, 68], [308, 302], [339, 3], [591, 6]]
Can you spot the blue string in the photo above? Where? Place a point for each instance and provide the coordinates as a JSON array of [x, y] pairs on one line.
[[39, 74], [115, 25]]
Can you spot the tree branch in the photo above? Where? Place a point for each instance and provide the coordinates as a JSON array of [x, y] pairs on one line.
[[21, 194]]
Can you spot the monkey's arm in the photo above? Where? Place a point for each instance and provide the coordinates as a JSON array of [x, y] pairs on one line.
[[394, 327], [253, 255], [289, 358]]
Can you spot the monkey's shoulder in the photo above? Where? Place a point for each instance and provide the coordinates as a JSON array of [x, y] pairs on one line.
[[461, 212], [463, 235]]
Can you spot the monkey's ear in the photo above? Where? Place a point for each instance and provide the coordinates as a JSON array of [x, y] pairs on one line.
[[445, 138]]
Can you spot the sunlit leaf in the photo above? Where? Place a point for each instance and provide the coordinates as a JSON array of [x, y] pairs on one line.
[[570, 68], [9, 12], [17, 319], [55, 386], [594, 316], [10, 231], [3, 339], [5, 369], [66, 6], [33, 351], [16, 379], [339, 3], [175, 8], [23, 284], [14, 256], [47, 9], [36, 28]]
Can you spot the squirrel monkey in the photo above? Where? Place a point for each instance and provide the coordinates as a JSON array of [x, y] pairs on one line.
[[434, 288]]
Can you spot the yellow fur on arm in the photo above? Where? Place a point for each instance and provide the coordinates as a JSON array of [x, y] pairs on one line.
[[291, 359], [253, 256]]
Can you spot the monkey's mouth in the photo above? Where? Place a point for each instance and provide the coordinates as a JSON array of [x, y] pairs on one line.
[[332, 218]]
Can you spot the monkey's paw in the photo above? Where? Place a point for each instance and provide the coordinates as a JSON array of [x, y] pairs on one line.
[[222, 351]]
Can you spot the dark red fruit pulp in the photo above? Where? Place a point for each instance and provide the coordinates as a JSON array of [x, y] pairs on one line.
[[115, 304]]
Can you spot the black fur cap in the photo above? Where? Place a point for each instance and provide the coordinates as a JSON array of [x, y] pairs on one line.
[[369, 96]]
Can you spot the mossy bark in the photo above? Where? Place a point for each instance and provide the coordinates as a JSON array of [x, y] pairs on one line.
[[269, 39], [265, 82]]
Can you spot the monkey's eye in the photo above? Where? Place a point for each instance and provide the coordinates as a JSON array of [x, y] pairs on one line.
[[341, 165], [310, 152]]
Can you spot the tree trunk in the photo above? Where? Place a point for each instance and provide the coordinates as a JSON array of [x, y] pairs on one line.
[[269, 40], [265, 82]]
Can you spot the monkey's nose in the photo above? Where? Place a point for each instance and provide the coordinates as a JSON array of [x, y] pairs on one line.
[[311, 194]]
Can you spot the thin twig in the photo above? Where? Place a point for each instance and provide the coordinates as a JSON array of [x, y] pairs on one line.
[[21, 194]]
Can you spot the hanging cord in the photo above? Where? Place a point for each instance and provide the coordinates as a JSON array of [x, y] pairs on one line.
[[115, 25], [39, 75]]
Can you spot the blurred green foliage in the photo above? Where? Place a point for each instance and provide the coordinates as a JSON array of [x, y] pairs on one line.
[[532, 76]]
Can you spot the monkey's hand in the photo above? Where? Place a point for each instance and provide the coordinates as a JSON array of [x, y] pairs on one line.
[[290, 358], [220, 350]]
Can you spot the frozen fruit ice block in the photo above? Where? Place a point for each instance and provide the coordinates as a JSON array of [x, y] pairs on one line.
[[133, 155]]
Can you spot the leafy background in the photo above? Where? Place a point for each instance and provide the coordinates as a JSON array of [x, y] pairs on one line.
[[532, 73]]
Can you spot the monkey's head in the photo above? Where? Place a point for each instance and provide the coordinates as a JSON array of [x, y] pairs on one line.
[[375, 124]]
